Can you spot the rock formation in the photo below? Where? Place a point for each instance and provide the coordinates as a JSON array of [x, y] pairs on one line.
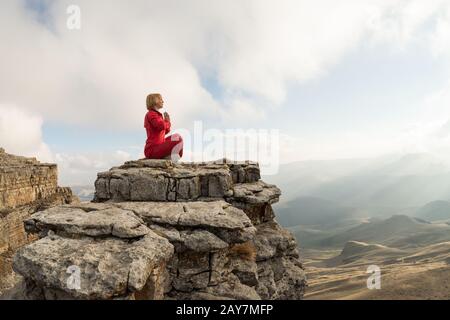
[[26, 186], [158, 230]]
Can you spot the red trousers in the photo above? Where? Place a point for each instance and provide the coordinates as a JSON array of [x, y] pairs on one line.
[[173, 143]]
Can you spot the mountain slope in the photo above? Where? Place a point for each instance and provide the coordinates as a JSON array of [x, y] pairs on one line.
[[398, 232], [435, 211], [355, 251]]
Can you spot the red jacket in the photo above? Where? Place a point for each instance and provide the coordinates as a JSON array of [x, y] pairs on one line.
[[156, 127]]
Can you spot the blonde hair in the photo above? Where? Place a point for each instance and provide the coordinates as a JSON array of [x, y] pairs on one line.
[[151, 100]]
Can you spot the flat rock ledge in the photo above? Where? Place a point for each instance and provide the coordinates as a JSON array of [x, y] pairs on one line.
[[159, 230], [161, 180]]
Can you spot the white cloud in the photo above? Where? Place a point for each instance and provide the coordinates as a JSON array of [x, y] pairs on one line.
[[82, 169], [240, 110], [401, 22], [254, 48], [432, 137], [21, 133], [440, 39]]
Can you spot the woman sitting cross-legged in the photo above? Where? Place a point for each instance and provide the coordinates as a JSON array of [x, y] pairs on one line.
[[157, 125]]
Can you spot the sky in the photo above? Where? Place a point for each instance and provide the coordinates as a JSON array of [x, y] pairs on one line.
[[332, 79]]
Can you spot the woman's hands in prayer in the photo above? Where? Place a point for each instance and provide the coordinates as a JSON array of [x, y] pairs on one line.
[[166, 116]]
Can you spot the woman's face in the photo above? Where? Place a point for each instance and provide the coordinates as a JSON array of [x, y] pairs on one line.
[[159, 103]]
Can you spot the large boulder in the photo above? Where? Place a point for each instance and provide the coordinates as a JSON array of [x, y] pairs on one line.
[[108, 268]]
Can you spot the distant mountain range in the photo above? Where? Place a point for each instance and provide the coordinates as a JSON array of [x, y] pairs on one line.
[[356, 252], [381, 185], [397, 232], [434, 211], [316, 211]]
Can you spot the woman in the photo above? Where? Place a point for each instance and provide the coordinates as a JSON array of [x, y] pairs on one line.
[[157, 126]]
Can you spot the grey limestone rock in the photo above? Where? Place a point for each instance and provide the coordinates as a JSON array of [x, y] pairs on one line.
[[159, 230]]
